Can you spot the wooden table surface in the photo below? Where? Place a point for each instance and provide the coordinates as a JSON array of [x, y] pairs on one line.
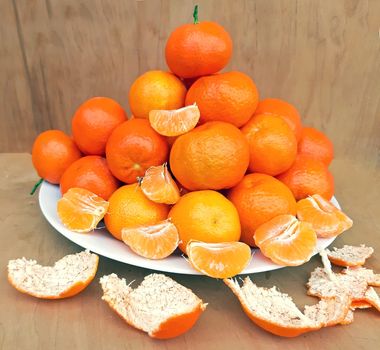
[[86, 322]]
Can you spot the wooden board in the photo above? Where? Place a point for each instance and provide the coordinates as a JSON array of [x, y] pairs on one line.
[[85, 322], [323, 56]]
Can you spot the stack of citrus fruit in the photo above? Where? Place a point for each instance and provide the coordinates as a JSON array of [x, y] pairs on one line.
[[202, 164]]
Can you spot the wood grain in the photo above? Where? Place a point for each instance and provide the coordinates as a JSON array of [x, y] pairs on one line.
[[323, 56], [85, 322]]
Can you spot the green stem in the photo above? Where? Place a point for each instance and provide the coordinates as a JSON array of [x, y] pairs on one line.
[[195, 15], [37, 184]]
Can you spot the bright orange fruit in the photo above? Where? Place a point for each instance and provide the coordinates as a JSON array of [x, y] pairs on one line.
[[283, 109], [156, 89], [228, 97], [259, 198], [315, 144], [326, 219], [218, 260], [159, 186], [272, 144], [286, 241], [152, 241], [214, 156], [174, 122], [81, 210]]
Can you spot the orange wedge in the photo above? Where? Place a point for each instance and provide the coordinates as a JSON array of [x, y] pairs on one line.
[[286, 240], [175, 122], [152, 241], [219, 260], [81, 210], [66, 278], [159, 186], [326, 219]]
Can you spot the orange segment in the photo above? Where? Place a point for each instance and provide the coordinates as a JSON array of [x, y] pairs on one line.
[[152, 241], [81, 210], [218, 260], [286, 241], [174, 122], [159, 186], [325, 218]]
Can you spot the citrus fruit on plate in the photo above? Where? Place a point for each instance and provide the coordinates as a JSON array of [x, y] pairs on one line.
[[102, 243]]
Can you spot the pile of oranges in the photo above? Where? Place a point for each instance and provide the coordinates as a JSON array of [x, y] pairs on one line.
[[202, 164]]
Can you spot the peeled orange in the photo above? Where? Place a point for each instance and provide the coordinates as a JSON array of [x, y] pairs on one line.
[[219, 260], [174, 122], [152, 241], [81, 210]]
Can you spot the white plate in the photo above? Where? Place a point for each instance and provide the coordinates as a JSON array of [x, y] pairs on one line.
[[102, 243]]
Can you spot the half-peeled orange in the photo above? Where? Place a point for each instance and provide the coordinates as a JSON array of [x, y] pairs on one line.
[[218, 260], [175, 122], [286, 241], [326, 219], [159, 186], [152, 241], [81, 210]]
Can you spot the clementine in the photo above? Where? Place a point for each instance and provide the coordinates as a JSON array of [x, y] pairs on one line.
[[308, 176], [129, 208], [212, 156], [283, 109], [205, 216], [272, 144], [198, 49], [315, 144], [53, 152], [133, 147], [93, 123], [92, 174], [156, 90], [259, 198], [230, 97]]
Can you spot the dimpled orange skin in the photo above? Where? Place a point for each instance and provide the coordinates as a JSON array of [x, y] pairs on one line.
[[283, 109], [133, 147], [194, 50], [129, 207], [93, 123], [92, 174], [214, 156], [315, 144], [272, 144], [308, 176], [259, 198], [156, 90], [230, 97], [53, 152]]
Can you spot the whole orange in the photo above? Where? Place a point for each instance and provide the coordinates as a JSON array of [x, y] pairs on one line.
[[230, 97], [198, 49], [52, 153], [129, 207], [206, 216], [93, 123], [283, 109], [315, 144], [156, 90], [214, 156], [133, 147], [272, 144], [259, 198], [90, 173], [308, 176]]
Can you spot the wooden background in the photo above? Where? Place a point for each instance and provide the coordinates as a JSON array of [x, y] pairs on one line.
[[323, 56]]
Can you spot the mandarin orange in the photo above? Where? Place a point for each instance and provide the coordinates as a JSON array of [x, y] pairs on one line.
[[272, 144], [229, 97], [133, 147], [258, 198]]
